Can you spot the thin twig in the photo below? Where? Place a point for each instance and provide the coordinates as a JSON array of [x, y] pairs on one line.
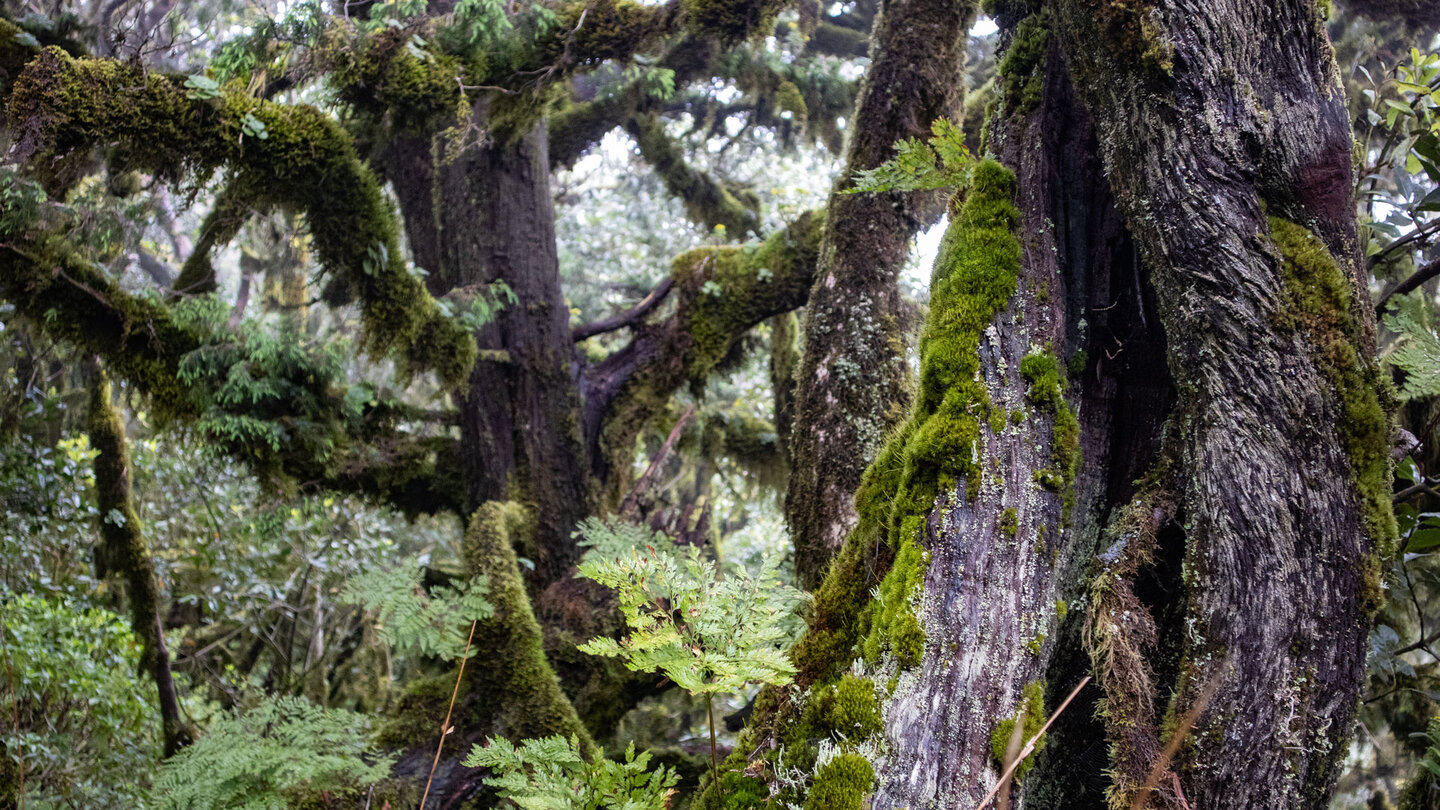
[[1030, 746], [445, 727]]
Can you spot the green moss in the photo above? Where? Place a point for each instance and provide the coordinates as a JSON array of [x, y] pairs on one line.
[[1009, 522], [731, 20], [1318, 301], [997, 420], [1017, 416], [513, 690], [1041, 371], [1030, 714], [1022, 75], [842, 784], [707, 201], [1062, 609], [64, 107], [1035, 644], [975, 276]]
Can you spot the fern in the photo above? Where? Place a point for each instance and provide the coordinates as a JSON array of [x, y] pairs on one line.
[[411, 620], [552, 774], [943, 162], [269, 758], [616, 539], [709, 634], [1418, 354]]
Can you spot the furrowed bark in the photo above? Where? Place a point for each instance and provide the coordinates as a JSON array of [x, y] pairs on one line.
[[126, 554], [1228, 148], [851, 383]]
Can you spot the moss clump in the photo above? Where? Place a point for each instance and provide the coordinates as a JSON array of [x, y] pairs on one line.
[[1020, 70], [1009, 522], [1042, 371], [514, 692], [731, 21], [1318, 301], [1030, 714], [279, 156], [841, 784], [849, 709]]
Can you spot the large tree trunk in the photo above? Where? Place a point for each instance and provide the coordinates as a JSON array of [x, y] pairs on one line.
[[851, 383], [1227, 143], [1212, 557], [475, 219]]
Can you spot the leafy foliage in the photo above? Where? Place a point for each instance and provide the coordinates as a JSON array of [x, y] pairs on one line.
[[83, 725], [553, 774], [943, 162], [709, 634], [264, 758], [1418, 354], [430, 624]]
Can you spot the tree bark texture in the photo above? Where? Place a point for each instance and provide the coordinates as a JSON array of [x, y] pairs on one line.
[[1181, 180], [851, 383], [1213, 116]]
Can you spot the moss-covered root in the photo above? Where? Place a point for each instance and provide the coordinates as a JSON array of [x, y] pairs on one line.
[[509, 689], [513, 690], [278, 155], [125, 555]]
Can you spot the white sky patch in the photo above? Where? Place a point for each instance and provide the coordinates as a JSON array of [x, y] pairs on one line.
[[915, 277], [983, 27]]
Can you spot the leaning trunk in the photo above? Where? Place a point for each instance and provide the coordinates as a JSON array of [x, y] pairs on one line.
[[126, 555]]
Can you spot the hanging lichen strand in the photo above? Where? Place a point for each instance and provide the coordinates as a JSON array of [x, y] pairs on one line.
[[277, 156]]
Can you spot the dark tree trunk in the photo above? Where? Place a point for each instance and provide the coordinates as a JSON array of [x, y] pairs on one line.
[[851, 382], [1227, 144], [476, 219]]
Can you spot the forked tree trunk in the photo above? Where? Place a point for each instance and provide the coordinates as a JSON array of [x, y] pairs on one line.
[[1182, 180]]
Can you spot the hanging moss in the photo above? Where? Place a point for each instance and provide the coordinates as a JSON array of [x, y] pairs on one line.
[[1318, 302], [279, 155], [1030, 714]]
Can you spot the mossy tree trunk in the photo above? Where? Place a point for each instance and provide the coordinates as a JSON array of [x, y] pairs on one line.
[[1158, 454], [126, 556], [851, 382]]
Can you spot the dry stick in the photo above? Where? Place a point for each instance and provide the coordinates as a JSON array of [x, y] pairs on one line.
[[445, 727], [631, 504], [1162, 764], [1030, 745], [15, 709]]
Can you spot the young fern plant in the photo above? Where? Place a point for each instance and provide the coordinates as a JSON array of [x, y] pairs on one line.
[[553, 774], [413, 621], [709, 632]]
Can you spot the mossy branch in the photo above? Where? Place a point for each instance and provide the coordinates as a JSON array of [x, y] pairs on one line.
[[330, 446], [720, 293], [126, 554], [288, 156], [708, 201]]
